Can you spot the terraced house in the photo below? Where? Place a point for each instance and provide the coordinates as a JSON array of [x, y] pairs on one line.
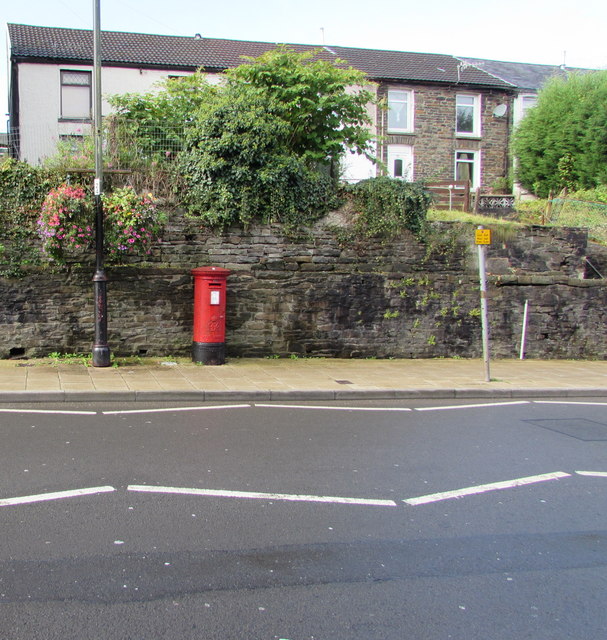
[[442, 118]]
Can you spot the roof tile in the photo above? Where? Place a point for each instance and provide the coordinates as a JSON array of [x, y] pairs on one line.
[[215, 54]]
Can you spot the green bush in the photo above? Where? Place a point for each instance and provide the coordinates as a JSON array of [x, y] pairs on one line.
[[240, 169], [562, 141], [388, 205], [599, 194]]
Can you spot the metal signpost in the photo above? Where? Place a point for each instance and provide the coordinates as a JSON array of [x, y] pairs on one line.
[[482, 239], [101, 350]]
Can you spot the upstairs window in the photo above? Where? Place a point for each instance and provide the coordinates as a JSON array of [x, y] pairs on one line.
[[76, 93], [400, 111], [467, 115], [526, 103]]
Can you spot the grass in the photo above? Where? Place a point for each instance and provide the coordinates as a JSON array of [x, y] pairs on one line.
[[586, 215], [444, 215]]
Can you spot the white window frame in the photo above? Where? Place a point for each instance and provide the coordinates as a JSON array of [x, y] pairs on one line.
[[85, 87], [402, 153], [475, 161], [476, 114], [522, 104], [401, 96]]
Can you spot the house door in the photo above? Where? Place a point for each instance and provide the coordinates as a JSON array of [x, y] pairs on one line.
[[400, 161]]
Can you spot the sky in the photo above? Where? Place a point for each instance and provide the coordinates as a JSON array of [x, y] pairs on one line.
[[535, 31]]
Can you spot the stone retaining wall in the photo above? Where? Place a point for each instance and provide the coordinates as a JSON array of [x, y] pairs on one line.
[[324, 295]]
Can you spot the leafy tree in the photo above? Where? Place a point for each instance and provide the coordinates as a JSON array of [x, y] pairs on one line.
[[562, 141], [324, 103], [264, 143], [239, 166]]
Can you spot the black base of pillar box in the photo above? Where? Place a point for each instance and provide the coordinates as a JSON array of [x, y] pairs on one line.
[[212, 353]]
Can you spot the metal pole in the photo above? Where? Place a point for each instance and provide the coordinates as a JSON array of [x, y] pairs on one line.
[[101, 350], [524, 330], [484, 310]]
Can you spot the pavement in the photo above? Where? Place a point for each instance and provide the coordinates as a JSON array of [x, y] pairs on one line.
[[170, 380]]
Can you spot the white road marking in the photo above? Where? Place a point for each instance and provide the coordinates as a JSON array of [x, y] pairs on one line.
[[472, 406], [482, 488], [591, 404], [327, 408], [6, 502], [223, 406], [220, 493], [595, 474], [50, 411]]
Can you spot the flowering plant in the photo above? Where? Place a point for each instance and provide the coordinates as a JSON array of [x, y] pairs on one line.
[[132, 222], [64, 221]]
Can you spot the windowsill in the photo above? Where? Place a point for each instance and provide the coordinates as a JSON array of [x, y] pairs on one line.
[[468, 136], [81, 120], [399, 133]]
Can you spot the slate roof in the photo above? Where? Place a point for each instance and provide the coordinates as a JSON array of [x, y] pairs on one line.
[[214, 54], [530, 77]]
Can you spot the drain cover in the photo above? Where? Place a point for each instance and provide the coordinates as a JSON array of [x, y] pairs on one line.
[[343, 382], [579, 428]]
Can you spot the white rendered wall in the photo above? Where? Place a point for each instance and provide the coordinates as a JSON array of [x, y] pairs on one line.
[[40, 101]]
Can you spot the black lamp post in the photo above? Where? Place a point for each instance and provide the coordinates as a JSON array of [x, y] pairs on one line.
[[101, 350]]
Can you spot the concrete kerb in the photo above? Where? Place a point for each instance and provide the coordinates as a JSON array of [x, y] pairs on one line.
[[26, 397]]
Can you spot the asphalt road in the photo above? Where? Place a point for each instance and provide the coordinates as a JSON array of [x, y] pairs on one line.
[[418, 520]]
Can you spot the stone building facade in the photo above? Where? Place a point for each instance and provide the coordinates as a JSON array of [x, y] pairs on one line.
[[434, 146]]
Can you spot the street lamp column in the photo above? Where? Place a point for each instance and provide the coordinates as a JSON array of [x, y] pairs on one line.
[[101, 350]]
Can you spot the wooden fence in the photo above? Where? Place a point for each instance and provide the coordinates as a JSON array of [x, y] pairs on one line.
[[450, 194]]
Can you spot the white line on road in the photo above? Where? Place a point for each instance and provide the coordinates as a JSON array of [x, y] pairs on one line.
[[472, 406], [261, 496], [591, 404], [50, 411], [482, 488], [6, 502], [223, 406], [326, 408], [595, 474]]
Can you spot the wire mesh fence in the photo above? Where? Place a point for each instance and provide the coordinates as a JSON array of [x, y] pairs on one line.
[[140, 154], [567, 212], [126, 143]]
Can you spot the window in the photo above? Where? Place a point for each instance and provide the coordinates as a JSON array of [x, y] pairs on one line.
[[467, 167], [76, 95], [400, 111], [467, 115], [400, 161], [526, 103]]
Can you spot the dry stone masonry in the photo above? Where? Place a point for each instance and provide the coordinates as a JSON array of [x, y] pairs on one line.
[[326, 293]]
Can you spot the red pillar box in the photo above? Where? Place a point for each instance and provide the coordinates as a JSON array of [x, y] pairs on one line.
[[210, 285]]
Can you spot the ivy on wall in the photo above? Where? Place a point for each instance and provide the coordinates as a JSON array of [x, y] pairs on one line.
[[22, 191], [388, 205]]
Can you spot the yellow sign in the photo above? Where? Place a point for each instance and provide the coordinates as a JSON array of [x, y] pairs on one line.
[[482, 236]]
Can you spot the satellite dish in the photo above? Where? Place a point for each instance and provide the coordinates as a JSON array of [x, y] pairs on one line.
[[500, 110]]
